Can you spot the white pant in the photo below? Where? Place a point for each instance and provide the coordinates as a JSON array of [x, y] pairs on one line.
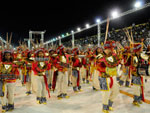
[[33, 82], [74, 80], [95, 79], [69, 74], [50, 76], [9, 89], [112, 93], [136, 90], [28, 84], [62, 82], [20, 74], [83, 72], [41, 88], [125, 76]]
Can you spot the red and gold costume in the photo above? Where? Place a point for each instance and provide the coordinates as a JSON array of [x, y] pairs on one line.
[[39, 68], [8, 75], [76, 64], [68, 57], [88, 64], [137, 76], [126, 62], [107, 66], [98, 54], [61, 75], [83, 70], [27, 69], [51, 72], [19, 60]]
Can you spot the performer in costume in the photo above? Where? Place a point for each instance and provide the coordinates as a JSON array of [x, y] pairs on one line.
[[76, 64], [107, 66], [39, 68], [8, 75], [83, 68], [137, 77], [92, 65], [18, 59], [68, 56], [52, 58], [98, 54], [27, 71], [126, 62], [88, 56], [62, 77]]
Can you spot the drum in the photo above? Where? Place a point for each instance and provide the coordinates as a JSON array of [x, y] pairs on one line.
[[65, 65], [7, 76], [81, 56], [144, 70], [111, 71]]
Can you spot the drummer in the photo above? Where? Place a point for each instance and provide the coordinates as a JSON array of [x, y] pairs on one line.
[[137, 78]]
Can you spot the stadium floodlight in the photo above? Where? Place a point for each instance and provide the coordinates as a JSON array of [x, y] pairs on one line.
[[72, 31], [87, 26], [67, 34], [63, 35], [115, 14], [59, 37], [138, 4], [78, 29], [98, 20]]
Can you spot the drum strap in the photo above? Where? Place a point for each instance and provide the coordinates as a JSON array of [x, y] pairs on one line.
[[46, 85], [78, 79], [129, 72], [142, 88], [111, 82]]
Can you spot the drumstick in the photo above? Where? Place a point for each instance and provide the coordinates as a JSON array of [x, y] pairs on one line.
[[132, 36], [7, 37], [37, 42], [10, 38], [7, 45], [2, 44], [127, 35], [33, 43], [106, 30]]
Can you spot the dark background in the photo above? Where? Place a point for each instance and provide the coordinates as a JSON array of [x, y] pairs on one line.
[[58, 17]]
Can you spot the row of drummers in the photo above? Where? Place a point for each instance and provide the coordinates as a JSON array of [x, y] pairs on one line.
[[42, 70]]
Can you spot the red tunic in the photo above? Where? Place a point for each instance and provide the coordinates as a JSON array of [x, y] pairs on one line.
[[83, 62], [14, 71], [76, 63], [36, 69]]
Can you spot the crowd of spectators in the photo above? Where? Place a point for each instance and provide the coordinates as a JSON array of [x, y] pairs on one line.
[[139, 31]]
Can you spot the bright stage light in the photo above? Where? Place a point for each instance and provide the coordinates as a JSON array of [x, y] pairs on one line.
[[78, 29], [72, 31], [138, 4], [98, 20], [87, 25], [115, 14], [67, 34], [63, 35]]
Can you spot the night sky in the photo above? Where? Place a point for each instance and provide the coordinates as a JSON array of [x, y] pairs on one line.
[[60, 17]]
